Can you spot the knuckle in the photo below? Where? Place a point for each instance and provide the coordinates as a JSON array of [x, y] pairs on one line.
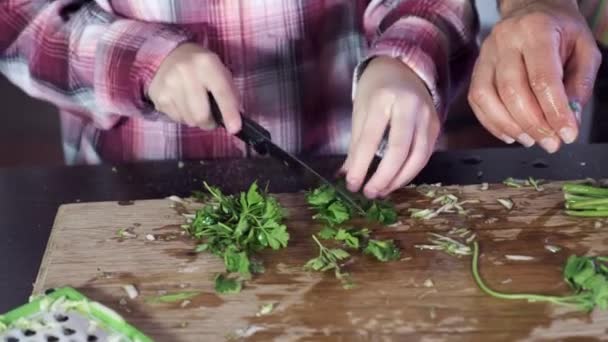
[[529, 128], [183, 67], [384, 94], [503, 30], [207, 59], [172, 81], [506, 90], [476, 95], [540, 82], [537, 22]]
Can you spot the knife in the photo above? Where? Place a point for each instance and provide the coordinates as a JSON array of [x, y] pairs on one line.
[[256, 136]]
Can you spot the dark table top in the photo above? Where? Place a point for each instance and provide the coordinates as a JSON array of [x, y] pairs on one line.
[[29, 198]]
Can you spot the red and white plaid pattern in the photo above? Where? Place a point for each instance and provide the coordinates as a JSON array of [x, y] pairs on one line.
[[293, 62]]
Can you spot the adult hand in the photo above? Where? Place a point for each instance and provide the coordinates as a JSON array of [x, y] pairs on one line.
[[534, 73], [180, 87], [390, 94]]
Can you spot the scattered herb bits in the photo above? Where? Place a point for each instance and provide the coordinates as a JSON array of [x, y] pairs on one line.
[[520, 183], [506, 202], [172, 298]]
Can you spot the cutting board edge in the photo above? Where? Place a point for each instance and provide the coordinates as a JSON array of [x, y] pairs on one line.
[[46, 257]]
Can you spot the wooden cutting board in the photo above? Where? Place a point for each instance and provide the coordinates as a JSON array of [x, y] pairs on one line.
[[392, 301]]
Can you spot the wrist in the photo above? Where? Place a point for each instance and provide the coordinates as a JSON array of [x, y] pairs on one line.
[[506, 7]]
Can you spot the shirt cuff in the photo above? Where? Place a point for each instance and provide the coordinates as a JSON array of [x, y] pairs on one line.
[[418, 44], [127, 59]]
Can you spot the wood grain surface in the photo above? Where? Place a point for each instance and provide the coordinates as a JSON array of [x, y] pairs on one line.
[[391, 302]]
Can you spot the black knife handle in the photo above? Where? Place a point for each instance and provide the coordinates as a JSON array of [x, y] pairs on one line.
[[251, 132]]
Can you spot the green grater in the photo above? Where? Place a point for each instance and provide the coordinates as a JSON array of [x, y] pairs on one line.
[[65, 315]]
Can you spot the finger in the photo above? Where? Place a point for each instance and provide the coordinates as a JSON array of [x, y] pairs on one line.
[[180, 102], [545, 75], [399, 141], [421, 150], [219, 81], [489, 109], [377, 118], [202, 114], [172, 111], [357, 127], [196, 103], [581, 72], [514, 91]]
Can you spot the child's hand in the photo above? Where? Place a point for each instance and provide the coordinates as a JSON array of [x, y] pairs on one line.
[[390, 94], [179, 88]]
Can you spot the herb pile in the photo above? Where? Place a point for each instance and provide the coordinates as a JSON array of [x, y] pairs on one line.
[[234, 227], [586, 200], [334, 213]]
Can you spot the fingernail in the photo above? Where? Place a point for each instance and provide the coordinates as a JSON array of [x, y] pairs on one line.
[[507, 139], [551, 145], [525, 140], [568, 135]]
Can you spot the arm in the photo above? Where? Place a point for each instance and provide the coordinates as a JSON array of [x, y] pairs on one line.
[[535, 71], [435, 39], [82, 56], [420, 53]]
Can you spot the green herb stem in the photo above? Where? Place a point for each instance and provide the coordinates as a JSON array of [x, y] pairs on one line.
[[587, 213], [174, 297], [589, 204], [321, 247], [575, 198], [587, 190], [568, 300]]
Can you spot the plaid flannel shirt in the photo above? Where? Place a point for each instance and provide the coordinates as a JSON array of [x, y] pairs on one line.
[[293, 61]]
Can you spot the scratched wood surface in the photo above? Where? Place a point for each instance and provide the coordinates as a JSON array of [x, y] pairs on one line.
[[390, 302]]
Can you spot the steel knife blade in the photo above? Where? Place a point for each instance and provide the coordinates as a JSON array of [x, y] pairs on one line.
[[256, 136]]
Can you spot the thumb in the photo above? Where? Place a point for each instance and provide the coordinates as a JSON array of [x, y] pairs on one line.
[[580, 73]]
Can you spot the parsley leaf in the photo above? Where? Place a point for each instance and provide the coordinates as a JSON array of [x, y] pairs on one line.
[[348, 239], [333, 210], [327, 233], [329, 259], [227, 285], [335, 213], [237, 262], [383, 250], [382, 212], [321, 196]]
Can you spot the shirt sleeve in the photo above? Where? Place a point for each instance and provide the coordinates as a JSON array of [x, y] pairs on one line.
[[436, 39], [81, 55]]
